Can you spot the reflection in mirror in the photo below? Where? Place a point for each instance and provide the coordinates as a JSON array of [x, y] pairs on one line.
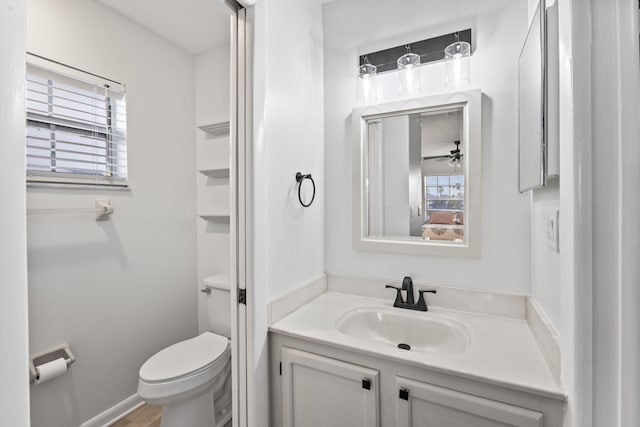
[[416, 176]]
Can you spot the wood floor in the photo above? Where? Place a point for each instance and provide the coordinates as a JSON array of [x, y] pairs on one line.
[[144, 416]]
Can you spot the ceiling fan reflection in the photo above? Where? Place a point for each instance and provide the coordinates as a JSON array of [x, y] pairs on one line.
[[454, 158]]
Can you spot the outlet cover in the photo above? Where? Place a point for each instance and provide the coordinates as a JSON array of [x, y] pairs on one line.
[[552, 231]]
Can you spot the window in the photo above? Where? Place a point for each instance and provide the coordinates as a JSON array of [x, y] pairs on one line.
[[443, 193], [76, 129]]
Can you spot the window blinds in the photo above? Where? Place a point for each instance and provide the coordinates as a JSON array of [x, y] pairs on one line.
[[76, 130], [444, 192]]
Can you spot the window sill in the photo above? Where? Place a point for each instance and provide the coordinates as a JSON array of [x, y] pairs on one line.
[[77, 186]]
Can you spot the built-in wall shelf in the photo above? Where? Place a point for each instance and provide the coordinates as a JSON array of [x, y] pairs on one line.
[[219, 281], [216, 172], [216, 130], [216, 217]]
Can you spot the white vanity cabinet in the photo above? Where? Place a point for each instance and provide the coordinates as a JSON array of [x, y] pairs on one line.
[[319, 391], [420, 404], [319, 385]]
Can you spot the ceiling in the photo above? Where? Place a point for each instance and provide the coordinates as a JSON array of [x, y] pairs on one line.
[[439, 131], [193, 25]]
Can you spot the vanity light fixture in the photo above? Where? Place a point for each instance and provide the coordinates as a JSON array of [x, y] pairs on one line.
[[367, 83], [406, 59], [457, 67], [408, 73]]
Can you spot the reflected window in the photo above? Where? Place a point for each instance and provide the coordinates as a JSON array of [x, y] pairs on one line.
[[443, 193]]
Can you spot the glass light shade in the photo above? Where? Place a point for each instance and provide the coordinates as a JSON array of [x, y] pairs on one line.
[[455, 163], [367, 85], [457, 66], [409, 74]]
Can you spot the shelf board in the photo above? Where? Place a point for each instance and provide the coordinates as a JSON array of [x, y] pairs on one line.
[[219, 281], [216, 130], [215, 217], [215, 173]]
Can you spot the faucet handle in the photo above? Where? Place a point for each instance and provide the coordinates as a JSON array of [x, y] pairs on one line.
[[422, 304], [398, 299]]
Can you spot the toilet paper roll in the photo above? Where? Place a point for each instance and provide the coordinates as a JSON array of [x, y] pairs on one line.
[[50, 370]]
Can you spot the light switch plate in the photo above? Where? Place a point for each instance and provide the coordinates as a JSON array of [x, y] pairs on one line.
[[552, 232]]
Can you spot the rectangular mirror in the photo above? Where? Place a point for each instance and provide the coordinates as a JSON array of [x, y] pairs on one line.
[[538, 101], [417, 178]]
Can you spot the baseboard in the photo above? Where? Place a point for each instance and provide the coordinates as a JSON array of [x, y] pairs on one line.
[[116, 412], [545, 335], [287, 304]]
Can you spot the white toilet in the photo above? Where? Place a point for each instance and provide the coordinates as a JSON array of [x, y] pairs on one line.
[[192, 379]]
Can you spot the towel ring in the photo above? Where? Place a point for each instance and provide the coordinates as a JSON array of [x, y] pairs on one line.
[[300, 178]]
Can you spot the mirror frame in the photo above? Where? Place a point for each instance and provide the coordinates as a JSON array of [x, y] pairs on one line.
[[471, 103]]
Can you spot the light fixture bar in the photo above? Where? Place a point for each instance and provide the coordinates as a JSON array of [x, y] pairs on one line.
[[430, 50]]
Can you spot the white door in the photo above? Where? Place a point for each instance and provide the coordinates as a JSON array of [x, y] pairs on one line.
[[425, 405], [321, 392]]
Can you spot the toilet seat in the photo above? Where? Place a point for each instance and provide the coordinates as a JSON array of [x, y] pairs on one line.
[[184, 358], [184, 368]]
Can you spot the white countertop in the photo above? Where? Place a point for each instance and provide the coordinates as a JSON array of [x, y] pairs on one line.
[[501, 350]]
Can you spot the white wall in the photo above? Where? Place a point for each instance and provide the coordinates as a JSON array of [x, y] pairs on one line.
[[14, 391], [116, 291], [212, 86], [212, 106], [288, 138], [545, 261], [353, 27]]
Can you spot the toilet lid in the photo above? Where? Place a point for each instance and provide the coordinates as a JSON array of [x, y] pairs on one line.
[[184, 358]]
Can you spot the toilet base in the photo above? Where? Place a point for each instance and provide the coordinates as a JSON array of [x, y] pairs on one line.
[[196, 412], [191, 395]]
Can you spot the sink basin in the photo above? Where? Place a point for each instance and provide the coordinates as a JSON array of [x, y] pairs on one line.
[[422, 332]]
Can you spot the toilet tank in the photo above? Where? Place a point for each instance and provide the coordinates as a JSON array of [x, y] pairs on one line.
[[219, 304]]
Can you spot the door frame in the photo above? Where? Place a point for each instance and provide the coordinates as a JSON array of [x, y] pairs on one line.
[[14, 312], [614, 175], [240, 180]]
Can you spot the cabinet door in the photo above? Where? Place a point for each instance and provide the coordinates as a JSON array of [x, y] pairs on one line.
[[320, 392], [424, 405]]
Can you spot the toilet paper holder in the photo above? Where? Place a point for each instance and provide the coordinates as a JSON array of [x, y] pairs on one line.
[[63, 350]]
